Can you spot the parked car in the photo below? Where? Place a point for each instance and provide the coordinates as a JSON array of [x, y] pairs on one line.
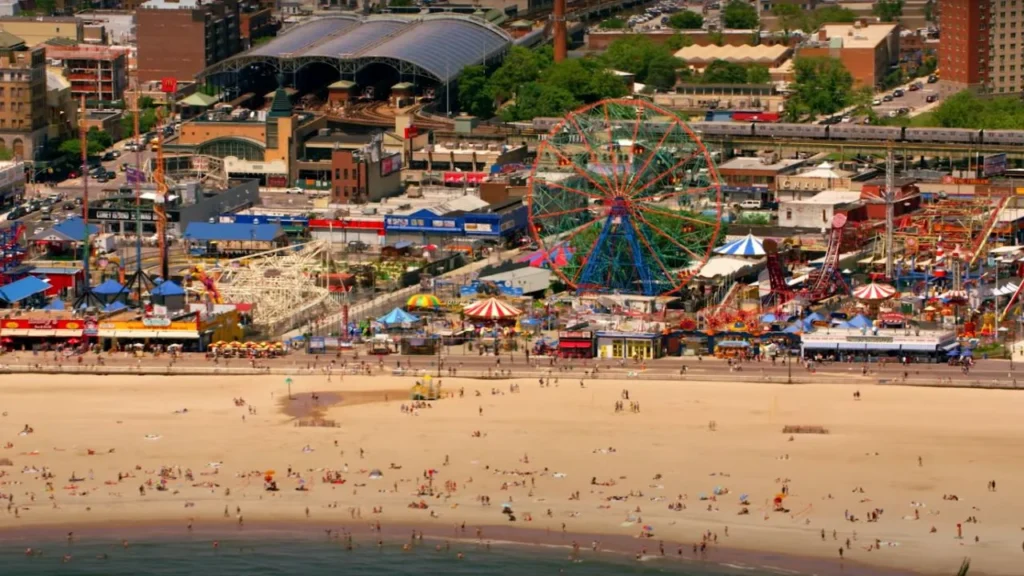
[[933, 79], [931, 98], [898, 93], [887, 98]]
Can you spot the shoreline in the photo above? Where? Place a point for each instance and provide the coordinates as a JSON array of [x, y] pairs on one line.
[[509, 537], [731, 378]]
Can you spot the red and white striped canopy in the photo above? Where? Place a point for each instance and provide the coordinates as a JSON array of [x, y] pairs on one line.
[[491, 309], [874, 291], [955, 295]]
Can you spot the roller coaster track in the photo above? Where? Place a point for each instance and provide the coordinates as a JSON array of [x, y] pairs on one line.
[[982, 242]]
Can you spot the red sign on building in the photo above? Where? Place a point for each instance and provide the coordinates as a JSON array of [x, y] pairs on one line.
[[464, 177], [169, 85]]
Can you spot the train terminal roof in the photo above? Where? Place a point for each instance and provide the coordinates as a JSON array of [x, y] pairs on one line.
[[435, 45]]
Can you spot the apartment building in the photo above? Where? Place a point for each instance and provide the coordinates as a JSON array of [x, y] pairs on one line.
[[867, 50], [982, 46], [180, 38], [23, 110]]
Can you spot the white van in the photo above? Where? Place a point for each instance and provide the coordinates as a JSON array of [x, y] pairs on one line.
[[750, 205]]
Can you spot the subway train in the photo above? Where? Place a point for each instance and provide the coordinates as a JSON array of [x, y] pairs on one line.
[[859, 132]]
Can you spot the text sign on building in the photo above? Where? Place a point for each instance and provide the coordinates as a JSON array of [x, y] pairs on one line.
[[994, 165], [583, 335], [128, 215], [390, 164]]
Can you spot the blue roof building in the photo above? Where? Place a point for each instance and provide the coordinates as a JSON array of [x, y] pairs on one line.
[[228, 232], [22, 289], [70, 230]]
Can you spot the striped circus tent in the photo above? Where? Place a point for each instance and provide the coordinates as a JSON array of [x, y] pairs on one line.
[[749, 245], [491, 309], [874, 292]]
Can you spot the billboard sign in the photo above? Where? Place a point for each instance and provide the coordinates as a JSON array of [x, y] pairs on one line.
[[134, 176], [994, 164], [390, 164]]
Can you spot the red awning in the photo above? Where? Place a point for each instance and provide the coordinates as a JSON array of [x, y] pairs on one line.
[[574, 344]]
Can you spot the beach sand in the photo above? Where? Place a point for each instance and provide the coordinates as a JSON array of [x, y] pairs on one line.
[[964, 439]]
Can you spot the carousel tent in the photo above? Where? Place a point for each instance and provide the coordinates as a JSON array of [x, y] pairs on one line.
[[491, 309], [397, 317], [747, 246], [874, 291]]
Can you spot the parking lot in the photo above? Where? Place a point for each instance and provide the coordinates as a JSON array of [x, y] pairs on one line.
[[912, 100]]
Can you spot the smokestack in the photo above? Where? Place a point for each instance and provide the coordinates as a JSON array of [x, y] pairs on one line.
[[561, 42]]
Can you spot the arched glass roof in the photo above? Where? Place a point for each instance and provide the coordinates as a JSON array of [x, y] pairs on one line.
[[439, 45]]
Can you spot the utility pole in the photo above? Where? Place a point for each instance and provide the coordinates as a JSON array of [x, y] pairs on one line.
[[83, 143], [890, 198]]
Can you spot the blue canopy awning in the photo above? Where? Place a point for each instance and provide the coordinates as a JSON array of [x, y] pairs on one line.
[[114, 307], [20, 289], [55, 305], [110, 287], [168, 288], [397, 317]]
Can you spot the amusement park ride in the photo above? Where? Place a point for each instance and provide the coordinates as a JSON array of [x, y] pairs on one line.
[[632, 192], [12, 253]]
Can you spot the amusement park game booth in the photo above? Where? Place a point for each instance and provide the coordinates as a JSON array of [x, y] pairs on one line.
[[629, 345], [578, 344]]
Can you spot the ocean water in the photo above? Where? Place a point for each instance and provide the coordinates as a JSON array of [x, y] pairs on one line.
[[312, 557]]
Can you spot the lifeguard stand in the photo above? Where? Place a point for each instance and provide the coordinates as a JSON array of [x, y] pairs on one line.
[[426, 389]]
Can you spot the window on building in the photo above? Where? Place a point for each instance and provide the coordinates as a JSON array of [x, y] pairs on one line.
[[346, 173], [824, 216], [789, 213], [336, 175]]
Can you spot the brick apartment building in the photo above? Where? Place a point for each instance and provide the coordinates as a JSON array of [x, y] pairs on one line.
[[179, 38], [868, 51], [982, 46], [23, 110]]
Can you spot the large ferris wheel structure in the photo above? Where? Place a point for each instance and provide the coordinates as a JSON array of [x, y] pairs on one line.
[[631, 193]]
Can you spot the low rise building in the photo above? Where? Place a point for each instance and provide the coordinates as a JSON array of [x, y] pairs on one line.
[[752, 178], [12, 182], [868, 51], [818, 210], [698, 98], [700, 57], [36, 30], [108, 121]]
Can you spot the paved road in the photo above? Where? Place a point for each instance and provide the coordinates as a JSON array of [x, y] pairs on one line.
[[915, 100]]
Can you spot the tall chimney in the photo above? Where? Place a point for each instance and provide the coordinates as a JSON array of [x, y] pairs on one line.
[[561, 48]]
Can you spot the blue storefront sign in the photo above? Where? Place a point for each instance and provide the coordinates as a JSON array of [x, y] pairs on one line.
[[282, 219], [484, 224]]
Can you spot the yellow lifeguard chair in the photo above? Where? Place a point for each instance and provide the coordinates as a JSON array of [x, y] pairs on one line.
[[426, 390]]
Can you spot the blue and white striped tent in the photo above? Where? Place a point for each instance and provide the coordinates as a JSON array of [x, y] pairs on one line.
[[749, 245]]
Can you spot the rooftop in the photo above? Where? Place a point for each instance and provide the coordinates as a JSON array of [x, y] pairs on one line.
[[172, 4], [9, 41], [751, 163], [737, 54], [829, 197], [854, 35]]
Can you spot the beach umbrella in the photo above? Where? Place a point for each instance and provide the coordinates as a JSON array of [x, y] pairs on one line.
[[874, 292], [423, 301], [749, 245]]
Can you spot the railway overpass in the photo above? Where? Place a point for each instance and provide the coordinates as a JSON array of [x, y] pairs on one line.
[[787, 146]]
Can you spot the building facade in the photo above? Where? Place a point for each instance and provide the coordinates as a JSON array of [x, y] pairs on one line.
[[36, 30], [180, 38], [868, 51], [982, 46], [23, 109], [99, 73]]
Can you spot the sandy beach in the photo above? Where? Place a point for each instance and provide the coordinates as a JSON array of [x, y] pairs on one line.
[[897, 453]]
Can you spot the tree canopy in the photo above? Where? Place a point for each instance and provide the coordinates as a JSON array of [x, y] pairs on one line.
[[965, 110], [724, 72], [652, 64], [888, 10], [739, 15], [96, 141], [791, 17], [678, 41], [822, 86], [686, 20], [612, 24], [536, 86]]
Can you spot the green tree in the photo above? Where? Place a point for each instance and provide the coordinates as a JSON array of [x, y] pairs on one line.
[[821, 86], [6, 154], [636, 54], [586, 79], [716, 38], [829, 14], [72, 149], [535, 100], [612, 24], [677, 42], [46, 7], [739, 15], [521, 66], [474, 94], [661, 74], [888, 10], [929, 11], [790, 17], [686, 20], [758, 75], [100, 137], [147, 120], [724, 72], [965, 110]]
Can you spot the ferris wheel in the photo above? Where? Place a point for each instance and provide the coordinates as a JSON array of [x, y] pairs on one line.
[[624, 197]]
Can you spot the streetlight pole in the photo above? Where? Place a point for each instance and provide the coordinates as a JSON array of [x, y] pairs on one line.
[[789, 368]]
